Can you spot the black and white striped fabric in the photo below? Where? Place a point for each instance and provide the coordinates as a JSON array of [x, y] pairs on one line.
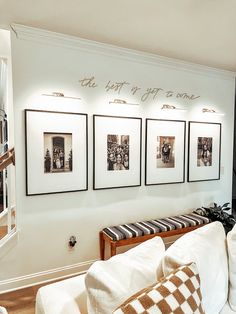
[[138, 229]]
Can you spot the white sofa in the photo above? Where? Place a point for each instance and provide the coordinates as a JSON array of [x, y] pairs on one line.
[[108, 284]]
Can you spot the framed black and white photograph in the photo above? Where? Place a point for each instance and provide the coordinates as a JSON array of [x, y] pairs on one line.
[[204, 146], [56, 152], [117, 152], [165, 151]]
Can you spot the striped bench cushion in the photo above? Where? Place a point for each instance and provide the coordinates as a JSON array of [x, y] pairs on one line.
[[138, 229]]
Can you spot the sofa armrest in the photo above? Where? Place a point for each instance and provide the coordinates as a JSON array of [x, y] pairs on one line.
[[66, 296]]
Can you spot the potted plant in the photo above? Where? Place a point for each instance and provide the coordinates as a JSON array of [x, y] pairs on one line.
[[218, 213]]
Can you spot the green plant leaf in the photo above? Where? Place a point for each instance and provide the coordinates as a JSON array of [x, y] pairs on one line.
[[225, 205]]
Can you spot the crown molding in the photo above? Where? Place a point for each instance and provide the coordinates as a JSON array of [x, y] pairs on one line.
[[23, 32]]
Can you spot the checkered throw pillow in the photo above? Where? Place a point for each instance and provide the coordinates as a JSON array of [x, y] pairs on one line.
[[177, 293]]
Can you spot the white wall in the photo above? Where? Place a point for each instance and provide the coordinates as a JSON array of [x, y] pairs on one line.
[[45, 62], [5, 43]]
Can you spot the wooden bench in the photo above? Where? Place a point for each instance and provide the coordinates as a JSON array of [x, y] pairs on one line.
[[138, 232]]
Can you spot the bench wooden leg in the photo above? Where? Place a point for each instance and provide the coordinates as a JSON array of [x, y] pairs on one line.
[[102, 246], [113, 248]]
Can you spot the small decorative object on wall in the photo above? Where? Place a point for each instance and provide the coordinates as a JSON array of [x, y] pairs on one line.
[[168, 107], [60, 95], [165, 151], [122, 102], [117, 152], [56, 152], [212, 112], [204, 144]]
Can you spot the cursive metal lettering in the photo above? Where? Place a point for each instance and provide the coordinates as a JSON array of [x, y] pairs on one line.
[[134, 89], [169, 94], [186, 96], [151, 91], [88, 82], [116, 87]]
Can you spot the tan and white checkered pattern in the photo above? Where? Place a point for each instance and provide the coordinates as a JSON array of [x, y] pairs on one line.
[[177, 293]]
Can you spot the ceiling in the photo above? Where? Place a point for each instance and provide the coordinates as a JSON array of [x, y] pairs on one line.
[[199, 31]]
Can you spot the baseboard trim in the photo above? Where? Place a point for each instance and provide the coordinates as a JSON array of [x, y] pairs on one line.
[[17, 283]]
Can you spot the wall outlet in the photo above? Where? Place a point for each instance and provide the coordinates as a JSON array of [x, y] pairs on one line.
[[72, 242]]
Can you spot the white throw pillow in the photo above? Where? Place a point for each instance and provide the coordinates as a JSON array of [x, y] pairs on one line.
[[231, 241], [206, 247], [109, 283]]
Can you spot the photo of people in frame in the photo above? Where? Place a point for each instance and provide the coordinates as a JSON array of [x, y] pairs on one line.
[[204, 151], [165, 157], [117, 152], [57, 152]]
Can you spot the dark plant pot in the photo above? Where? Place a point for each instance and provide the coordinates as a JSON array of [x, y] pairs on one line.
[[227, 229]]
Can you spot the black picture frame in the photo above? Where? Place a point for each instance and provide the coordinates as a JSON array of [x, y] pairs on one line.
[[204, 151], [165, 151], [114, 137], [56, 152]]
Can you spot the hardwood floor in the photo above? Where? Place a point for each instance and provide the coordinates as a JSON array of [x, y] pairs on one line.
[[20, 301], [3, 231]]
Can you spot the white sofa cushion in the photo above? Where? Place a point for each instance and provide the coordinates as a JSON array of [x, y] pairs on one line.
[[66, 296], [109, 283], [227, 309], [231, 241], [206, 247]]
